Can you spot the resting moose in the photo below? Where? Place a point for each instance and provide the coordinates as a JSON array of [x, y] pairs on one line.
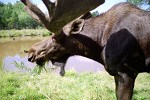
[[119, 39]]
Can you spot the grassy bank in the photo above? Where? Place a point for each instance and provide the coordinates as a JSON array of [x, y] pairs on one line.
[[47, 86], [24, 32]]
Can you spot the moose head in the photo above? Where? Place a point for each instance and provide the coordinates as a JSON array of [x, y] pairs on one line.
[[57, 46], [65, 17]]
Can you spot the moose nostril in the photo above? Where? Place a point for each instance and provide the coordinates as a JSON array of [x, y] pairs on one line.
[[31, 58]]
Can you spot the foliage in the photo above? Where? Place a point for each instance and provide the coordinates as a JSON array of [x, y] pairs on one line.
[[134, 1], [144, 4], [24, 32], [13, 16], [96, 13], [138, 1], [21, 66]]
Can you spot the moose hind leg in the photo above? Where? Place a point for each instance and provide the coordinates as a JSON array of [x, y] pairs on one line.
[[124, 86]]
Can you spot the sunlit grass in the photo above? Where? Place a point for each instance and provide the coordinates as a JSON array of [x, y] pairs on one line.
[[24, 32], [142, 87], [48, 86], [73, 86]]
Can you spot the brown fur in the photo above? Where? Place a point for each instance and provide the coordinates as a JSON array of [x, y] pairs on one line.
[[120, 16], [91, 42]]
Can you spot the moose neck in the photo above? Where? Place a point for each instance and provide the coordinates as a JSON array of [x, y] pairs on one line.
[[87, 43], [94, 28], [78, 44]]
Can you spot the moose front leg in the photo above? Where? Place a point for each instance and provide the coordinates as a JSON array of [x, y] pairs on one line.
[[61, 62], [62, 70], [62, 67], [124, 86]]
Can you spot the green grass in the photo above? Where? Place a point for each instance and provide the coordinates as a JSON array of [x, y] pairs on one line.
[[48, 86], [73, 86], [24, 32], [142, 87]]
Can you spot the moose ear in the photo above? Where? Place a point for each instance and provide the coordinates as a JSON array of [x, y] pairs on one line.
[[76, 26]]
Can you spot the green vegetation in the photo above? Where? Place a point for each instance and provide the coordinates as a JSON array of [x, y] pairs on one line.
[[139, 1], [144, 4], [73, 86], [47, 86], [21, 66], [14, 22], [13, 16], [135, 1], [24, 32], [36, 70]]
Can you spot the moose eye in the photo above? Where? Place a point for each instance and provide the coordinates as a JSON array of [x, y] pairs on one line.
[[54, 38], [55, 48]]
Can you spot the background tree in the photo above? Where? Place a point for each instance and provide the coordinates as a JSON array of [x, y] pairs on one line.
[[96, 13], [2, 24], [13, 16], [144, 4]]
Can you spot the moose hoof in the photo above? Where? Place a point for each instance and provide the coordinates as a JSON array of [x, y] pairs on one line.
[[62, 73]]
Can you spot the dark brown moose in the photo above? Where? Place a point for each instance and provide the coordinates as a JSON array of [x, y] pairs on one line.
[[119, 39]]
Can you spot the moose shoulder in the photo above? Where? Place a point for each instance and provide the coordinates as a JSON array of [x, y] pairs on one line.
[[119, 39]]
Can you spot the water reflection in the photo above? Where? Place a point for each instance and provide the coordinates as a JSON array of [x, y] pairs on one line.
[[82, 64], [10, 65], [11, 51], [12, 47]]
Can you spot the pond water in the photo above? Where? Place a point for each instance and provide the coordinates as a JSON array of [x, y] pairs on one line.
[[12, 53]]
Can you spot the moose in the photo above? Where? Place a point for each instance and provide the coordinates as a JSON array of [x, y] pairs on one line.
[[119, 38]]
